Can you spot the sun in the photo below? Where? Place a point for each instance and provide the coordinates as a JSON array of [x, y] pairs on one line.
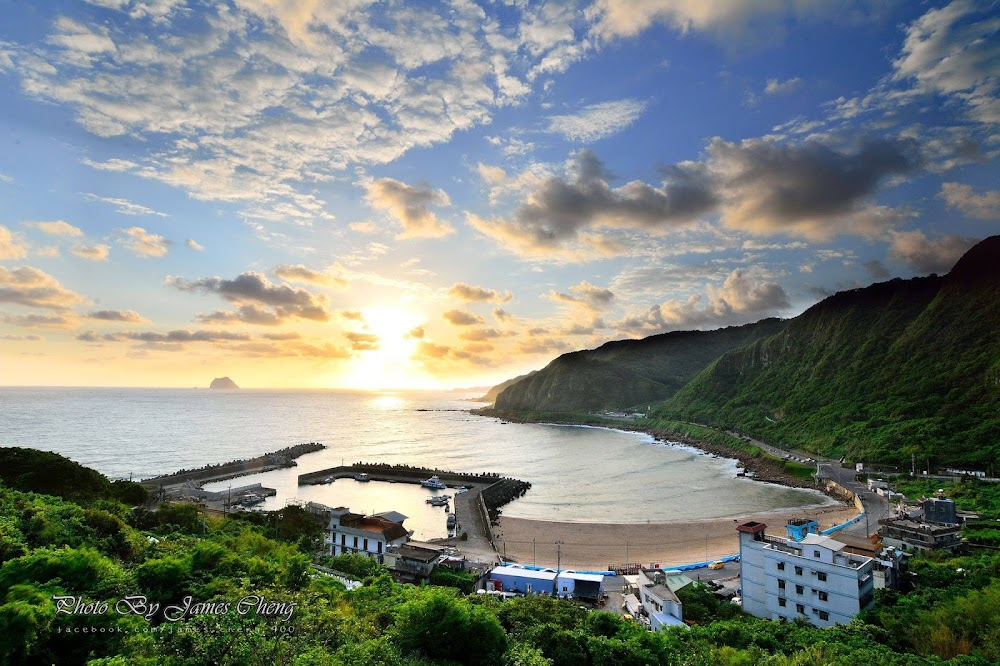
[[390, 364]]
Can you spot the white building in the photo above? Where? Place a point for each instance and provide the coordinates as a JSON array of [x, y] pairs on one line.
[[514, 578], [651, 596], [367, 535], [813, 579]]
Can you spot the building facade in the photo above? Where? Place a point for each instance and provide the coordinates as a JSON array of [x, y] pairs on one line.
[[913, 535], [349, 532], [814, 579]]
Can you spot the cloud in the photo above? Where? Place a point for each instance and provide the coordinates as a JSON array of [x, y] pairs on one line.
[[876, 269], [124, 206], [180, 336], [363, 341], [192, 244], [128, 316], [56, 228], [251, 290], [776, 87], [408, 205], [929, 255], [431, 350], [740, 299], [415, 333], [562, 210], [543, 346], [142, 242], [466, 292], [353, 315], [33, 288], [64, 320], [501, 315], [244, 314], [807, 189], [985, 206], [478, 334], [22, 338], [363, 227], [97, 252], [462, 318], [585, 295], [953, 51], [11, 245], [299, 273], [597, 121], [626, 18]]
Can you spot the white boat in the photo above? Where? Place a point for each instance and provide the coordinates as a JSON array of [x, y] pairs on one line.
[[438, 500], [460, 490], [434, 483], [362, 477]]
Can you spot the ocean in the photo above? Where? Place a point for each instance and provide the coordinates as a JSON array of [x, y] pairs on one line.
[[577, 473]]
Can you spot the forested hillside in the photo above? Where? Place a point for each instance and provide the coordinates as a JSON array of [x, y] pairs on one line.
[[898, 368], [626, 373]]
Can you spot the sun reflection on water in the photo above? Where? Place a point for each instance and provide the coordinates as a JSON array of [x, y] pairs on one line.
[[387, 402]]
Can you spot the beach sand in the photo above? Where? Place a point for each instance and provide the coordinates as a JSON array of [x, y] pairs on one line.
[[595, 546]]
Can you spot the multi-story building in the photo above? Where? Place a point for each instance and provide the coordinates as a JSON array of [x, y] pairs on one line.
[[913, 535], [656, 593], [349, 532], [814, 579]]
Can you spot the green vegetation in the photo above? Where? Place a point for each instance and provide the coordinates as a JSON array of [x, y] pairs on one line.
[[626, 373], [701, 434], [52, 546], [877, 374]]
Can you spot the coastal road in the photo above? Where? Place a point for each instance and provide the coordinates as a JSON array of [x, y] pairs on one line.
[[876, 507]]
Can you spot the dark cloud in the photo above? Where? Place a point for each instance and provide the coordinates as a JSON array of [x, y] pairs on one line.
[[245, 314], [501, 315], [253, 290], [876, 269], [929, 255]]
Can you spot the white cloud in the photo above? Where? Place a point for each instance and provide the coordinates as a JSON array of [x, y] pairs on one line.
[[124, 206], [985, 206], [776, 87], [597, 121], [56, 228], [192, 244], [97, 252], [33, 288], [11, 245], [142, 242], [408, 205]]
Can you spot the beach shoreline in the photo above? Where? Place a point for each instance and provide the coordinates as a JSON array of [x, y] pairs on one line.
[[596, 546]]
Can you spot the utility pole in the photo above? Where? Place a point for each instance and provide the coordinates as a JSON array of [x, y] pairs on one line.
[[626, 552], [534, 560], [558, 556]]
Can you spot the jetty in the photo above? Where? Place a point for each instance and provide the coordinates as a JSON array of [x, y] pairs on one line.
[[186, 484], [477, 510]]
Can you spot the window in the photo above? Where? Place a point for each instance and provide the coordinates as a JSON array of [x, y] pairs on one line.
[[781, 601], [781, 566], [798, 571], [365, 546], [798, 589], [815, 553], [378, 545], [821, 575], [823, 615], [799, 608], [343, 539], [823, 596], [781, 584], [355, 542]]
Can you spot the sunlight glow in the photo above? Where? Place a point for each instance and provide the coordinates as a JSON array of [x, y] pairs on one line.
[[390, 365]]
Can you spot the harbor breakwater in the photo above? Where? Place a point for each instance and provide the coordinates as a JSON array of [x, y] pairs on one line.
[[220, 472]]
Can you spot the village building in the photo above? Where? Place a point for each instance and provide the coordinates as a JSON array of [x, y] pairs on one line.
[[574, 585], [349, 532], [414, 561], [913, 535], [814, 579], [512, 578], [651, 597]]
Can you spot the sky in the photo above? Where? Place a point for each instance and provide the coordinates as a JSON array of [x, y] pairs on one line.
[[372, 195]]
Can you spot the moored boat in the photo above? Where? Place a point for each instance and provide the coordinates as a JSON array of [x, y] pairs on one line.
[[362, 477], [434, 483]]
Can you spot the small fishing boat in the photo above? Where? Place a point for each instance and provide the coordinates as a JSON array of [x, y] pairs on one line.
[[434, 483], [452, 520], [438, 500], [362, 477], [460, 490]]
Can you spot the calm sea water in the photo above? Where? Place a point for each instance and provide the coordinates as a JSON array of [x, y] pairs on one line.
[[577, 473]]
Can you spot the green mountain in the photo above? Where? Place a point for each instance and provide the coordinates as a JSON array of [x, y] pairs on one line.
[[900, 368], [491, 395], [626, 373]]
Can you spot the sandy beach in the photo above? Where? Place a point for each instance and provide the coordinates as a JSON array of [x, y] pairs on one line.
[[592, 546]]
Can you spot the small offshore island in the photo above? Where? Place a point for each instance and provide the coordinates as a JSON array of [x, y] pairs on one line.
[[223, 383]]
